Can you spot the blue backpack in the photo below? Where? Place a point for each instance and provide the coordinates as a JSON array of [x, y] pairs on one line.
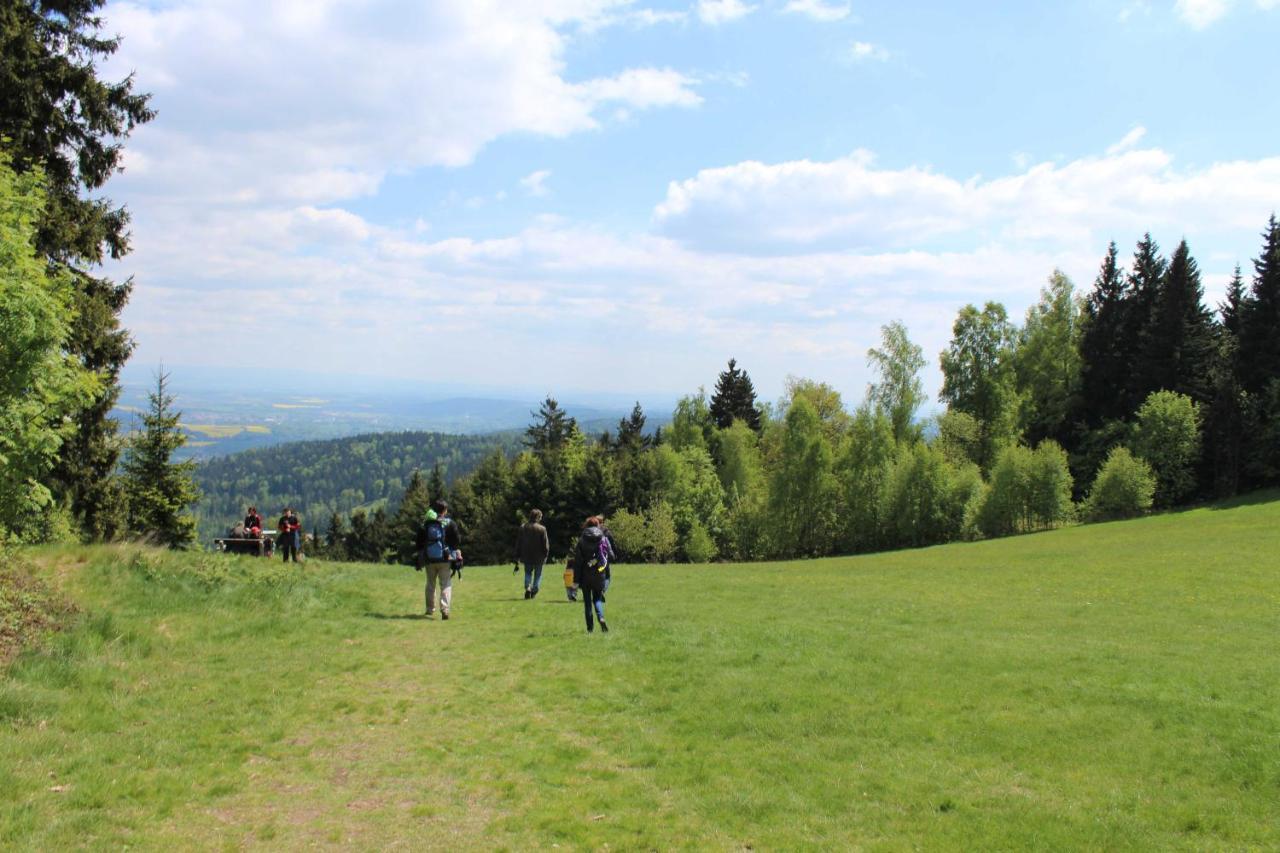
[[437, 551]]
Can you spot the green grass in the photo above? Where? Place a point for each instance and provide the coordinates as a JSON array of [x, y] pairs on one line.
[[1106, 687]]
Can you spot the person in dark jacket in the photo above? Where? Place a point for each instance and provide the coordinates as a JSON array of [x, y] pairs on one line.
[[289, 533], [591, 570], [253, 523], [439, 567], [532, 549]]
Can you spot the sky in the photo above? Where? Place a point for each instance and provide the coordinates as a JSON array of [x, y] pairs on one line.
[[619, 195]]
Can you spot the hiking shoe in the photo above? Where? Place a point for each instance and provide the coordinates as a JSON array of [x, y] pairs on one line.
[[444, 615], [603, 627], [527, 595]]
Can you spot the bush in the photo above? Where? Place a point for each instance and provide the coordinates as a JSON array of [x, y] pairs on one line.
[[1050, 486], [926, 499], [1005, 507], [698, 544], [1123, 488], [630, 537], [1167, 437]]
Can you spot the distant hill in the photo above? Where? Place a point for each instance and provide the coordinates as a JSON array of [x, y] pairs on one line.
[[220, 421], [321, 477]]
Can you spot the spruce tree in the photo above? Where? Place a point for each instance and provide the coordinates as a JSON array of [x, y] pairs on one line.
[[631, 437], [435, 486], [335, 538], [57, 115], [734, 399], [409, 518], [1178, 341], [1229, 310], [552, 429], [1104, 359], [1142, 292], [1260, 317], [160, 491]]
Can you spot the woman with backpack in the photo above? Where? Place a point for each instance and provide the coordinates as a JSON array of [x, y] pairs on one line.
[[443, 548], [591, 570]]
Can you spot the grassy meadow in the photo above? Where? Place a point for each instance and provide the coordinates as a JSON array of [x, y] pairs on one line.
[[1111, 687]]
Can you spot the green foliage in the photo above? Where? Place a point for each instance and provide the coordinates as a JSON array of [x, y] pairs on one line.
[[927, 500], [803, 488], [1028, 490], [1006, 504], [1123, 488], [40, 386], [899, 393], [161, 492], [1167, 436], [1051, 486], [862, 470], [630, 535], [320, 478], [734, 399], [691, 424], [553, 430], [699, 547], [660, 528], [959, 437], [1047, 361], [59, 117], [979, 377], [741, 467]]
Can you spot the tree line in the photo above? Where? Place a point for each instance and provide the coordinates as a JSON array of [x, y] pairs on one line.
[[319, 478], [1098, 405]]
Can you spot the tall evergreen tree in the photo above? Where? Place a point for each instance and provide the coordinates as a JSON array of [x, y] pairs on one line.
[[160, 491], [734, 399], [335, 539], [1104, 355], [1229, 309], [631, 437], [409, 518], [435, 486], [552, 429], [1178, 341], [1142, 293], [1260, 317], [56, 114]]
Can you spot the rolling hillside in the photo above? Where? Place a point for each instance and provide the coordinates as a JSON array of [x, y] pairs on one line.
[[1111, 686]]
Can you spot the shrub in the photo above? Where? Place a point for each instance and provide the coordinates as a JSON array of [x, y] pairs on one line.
[[926, 499], [1005, 507], [630, 536], [698, 544], [1050, 485], [1167, 437], [1123, 488]]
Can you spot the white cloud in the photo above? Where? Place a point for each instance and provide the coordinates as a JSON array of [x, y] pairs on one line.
[[263, 115], [716, 12], [819, 10], [863, 51], [1201, 13], [851, 205], [535, 183], [1129, 140], [643, 88]]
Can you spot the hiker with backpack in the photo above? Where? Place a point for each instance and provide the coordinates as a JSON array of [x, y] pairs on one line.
[[443, 547], [532, 549], [591, 569]]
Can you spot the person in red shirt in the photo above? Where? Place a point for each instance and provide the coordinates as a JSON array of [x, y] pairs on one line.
[[253, 523]]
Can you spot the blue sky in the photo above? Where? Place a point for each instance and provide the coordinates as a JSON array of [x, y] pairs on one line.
[[556, 195]]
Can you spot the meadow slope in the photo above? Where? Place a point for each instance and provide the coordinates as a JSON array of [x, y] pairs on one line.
[[1112, 686]]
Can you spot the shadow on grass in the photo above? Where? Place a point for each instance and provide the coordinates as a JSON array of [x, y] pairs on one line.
[[372, 615], [1250, 499]]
